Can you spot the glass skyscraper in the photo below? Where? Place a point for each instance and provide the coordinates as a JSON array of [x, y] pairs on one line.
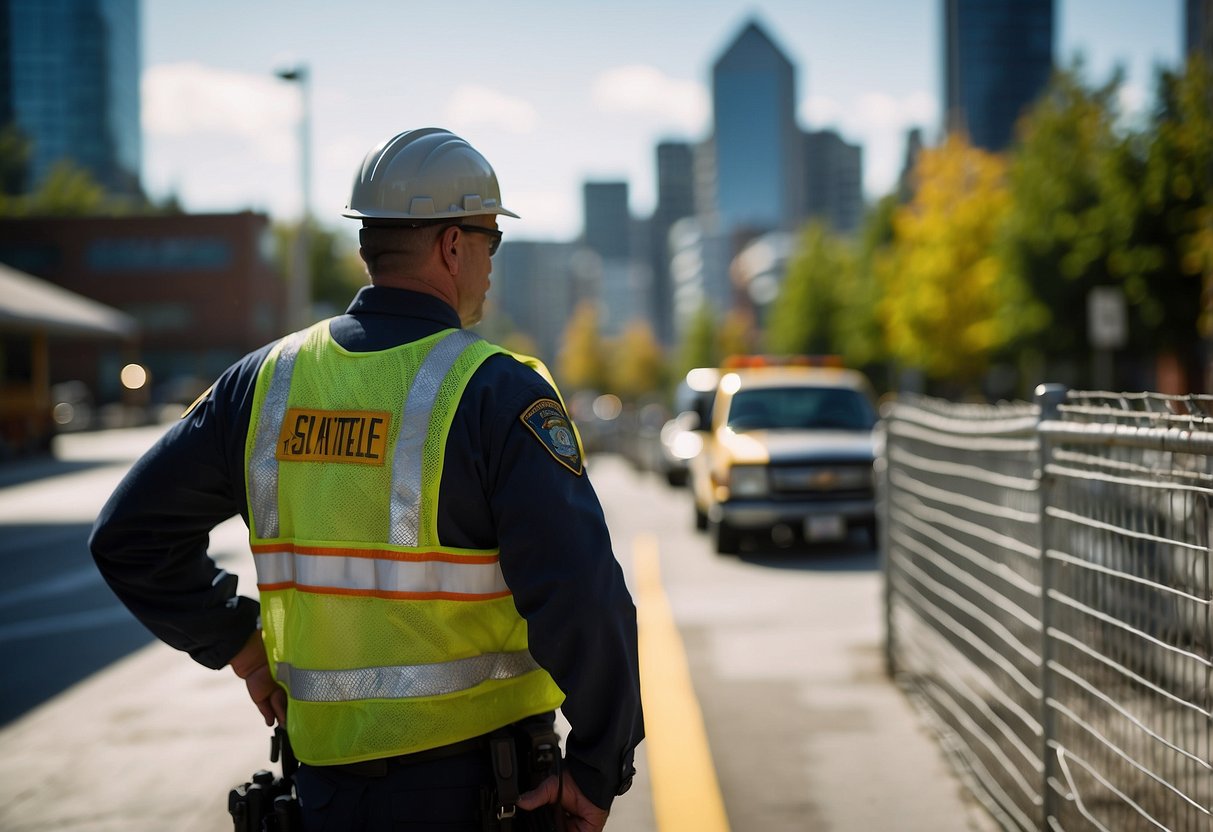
[[607, 219], [758, 157], [69, 81], [998, 56]]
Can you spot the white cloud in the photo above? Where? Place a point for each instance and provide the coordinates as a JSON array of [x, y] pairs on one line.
[[545, 214], [820, 110], [645, 90], [476, 106], [1133, 99], [187, 99]]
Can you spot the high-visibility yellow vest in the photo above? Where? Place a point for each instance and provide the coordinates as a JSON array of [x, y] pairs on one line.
[[386, 641]]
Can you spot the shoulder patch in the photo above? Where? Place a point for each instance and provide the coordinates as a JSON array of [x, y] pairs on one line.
[[547, 420]]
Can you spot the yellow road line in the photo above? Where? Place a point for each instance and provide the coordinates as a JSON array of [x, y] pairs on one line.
[[686, 794]]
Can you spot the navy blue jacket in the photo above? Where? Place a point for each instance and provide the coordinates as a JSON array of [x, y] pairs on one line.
[[501, 488]]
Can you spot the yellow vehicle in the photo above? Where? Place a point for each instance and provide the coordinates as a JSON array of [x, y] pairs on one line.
[[789, 456]]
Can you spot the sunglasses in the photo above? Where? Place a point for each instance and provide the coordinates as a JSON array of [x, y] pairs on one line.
[[495, 233]]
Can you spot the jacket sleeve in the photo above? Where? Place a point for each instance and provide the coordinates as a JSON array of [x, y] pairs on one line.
[[557, 559], [151, 538]]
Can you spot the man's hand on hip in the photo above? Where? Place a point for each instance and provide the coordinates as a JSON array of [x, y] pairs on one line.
[[576, 812], [251, 665]]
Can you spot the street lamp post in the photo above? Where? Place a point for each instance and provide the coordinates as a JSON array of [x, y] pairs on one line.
[[299, 295]]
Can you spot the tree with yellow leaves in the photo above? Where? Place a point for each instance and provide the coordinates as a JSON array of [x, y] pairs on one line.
[[639, 363], [582, 364], [947, 305]]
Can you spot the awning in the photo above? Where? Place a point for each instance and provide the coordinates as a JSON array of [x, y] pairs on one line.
[[28, 304]]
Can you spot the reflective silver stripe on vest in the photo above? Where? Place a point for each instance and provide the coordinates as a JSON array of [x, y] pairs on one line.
[[405, 516], [263, 467], [372, 574], [402, 682]]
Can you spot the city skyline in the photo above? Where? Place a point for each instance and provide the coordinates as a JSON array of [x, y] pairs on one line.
[[554, 99]]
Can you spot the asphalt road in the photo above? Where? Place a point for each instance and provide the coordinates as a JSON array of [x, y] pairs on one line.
[[783, 650], [59, 622]]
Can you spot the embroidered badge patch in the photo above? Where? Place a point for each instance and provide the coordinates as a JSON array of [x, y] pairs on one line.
[[547, 421]]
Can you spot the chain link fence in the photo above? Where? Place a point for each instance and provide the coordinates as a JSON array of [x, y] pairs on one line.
[[1048, 601]]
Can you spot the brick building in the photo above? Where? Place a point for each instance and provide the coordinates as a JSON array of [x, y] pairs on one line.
[[201, 287]]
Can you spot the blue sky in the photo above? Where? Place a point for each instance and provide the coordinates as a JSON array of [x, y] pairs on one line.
[[552, 93]]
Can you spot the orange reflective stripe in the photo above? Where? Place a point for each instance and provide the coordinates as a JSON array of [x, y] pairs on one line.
[[386, 594]]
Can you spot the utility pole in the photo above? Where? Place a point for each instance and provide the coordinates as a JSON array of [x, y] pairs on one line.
[[299, 294]]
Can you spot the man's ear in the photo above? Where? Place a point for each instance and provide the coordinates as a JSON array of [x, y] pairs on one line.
[[450, 248]]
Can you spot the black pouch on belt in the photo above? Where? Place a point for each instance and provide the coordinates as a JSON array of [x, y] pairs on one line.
[[523, 755]]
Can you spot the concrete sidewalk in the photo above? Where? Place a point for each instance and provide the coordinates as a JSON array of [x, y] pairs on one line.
[[151, 744]]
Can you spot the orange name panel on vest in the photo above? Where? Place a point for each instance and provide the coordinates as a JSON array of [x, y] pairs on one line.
[[353, 436]]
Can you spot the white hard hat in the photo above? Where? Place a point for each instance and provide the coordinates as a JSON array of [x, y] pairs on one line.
[[426, 174]]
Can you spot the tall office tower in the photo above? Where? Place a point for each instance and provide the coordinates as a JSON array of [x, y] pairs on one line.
[[69, 82], [675, 200], [699, 273], [758, 147], [906, 186], [1198, 28], [998, 57], [608, 225], [833, 181], [534, 288], [621, 282]]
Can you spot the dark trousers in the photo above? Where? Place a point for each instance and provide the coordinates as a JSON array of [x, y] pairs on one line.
[[447, 794], [436, 795]]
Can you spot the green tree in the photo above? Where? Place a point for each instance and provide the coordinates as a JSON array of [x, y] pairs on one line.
[[947, 305], [736, 335], [639, 364], [698, 346], [808, 315], [68, 190], [1165, 188], [860, 331], [1064, 218], [582, 363], [336, 269], [15, 152]]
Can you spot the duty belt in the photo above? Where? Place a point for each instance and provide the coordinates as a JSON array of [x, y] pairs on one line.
[[381, 766]]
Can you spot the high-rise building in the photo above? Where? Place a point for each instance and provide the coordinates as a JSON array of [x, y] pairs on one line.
[[675, 180], [608, 224], [833, 181], [617, 265], [699, 273], [998, 55], [758, 153], [675, 200], [906, 186], [1198, 28], [535, 290], [69, 82]]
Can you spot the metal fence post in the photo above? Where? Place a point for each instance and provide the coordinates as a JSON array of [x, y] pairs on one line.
[[884, 496], [1048, 398]]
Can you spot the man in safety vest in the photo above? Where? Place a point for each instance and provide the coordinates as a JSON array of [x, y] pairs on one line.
[[435, 573]]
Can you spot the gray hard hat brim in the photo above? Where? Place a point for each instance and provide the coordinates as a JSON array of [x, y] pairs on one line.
[[389, 215]]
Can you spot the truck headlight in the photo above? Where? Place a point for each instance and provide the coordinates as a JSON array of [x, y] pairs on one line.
[[748, 481]]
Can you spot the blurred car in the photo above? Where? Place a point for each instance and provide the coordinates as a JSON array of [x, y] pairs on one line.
[[682, 436], [789, 455]]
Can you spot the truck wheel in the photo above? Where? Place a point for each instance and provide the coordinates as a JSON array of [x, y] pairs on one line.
[[726, 539], [701, 519]]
